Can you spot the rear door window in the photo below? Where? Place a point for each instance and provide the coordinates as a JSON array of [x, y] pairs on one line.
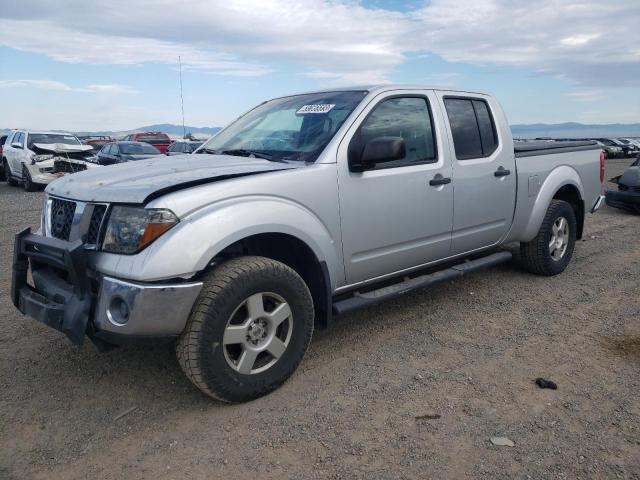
[[472, 127], [487, 129]]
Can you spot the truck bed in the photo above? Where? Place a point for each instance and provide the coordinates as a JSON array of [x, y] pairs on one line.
[[531, 149]]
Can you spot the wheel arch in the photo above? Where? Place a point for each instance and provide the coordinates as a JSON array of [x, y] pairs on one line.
[[293, 252], [563, 183]]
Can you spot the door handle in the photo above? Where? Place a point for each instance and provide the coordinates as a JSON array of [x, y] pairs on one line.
[[501, 172], [439, 180]]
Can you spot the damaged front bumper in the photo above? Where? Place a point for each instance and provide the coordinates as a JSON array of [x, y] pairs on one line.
[[623, 199], [45, 171], [63, 296]]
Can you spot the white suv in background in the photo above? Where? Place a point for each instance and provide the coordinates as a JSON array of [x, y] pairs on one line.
[[37, 158]]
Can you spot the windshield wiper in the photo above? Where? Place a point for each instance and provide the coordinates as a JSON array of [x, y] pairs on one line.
[[210, 151], [247, 153]]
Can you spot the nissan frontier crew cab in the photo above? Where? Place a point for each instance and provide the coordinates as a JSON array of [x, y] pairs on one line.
[[304, 208]]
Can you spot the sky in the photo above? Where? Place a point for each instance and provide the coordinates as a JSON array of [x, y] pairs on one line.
[[75, 65]]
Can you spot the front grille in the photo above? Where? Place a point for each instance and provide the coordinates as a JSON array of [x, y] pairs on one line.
[[62, 212], [93, 235], [62, 166]]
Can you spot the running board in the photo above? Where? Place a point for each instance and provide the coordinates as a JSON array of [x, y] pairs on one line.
[[360, 300]]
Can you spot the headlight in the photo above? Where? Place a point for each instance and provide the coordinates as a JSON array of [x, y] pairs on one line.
[[130, 229], [41, 158]]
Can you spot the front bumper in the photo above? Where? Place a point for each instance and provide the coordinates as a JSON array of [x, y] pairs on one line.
[[622, 199], [65, 297], [47, 171]]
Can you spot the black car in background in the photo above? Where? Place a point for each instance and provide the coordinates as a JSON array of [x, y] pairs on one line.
[[183, 146], [627, 195], [120, 152]]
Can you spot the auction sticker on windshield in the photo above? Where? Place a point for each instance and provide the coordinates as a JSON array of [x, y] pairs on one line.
[[317, 108]]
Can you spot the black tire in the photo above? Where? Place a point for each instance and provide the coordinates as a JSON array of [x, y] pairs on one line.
[[27, 183], [7, 174], [536, 256], [200, 349]]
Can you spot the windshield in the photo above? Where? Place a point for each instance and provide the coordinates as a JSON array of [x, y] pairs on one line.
[[138, 149], [291, 128], [49, 138]]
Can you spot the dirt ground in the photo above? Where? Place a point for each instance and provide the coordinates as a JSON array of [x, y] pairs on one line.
[[412, 389]]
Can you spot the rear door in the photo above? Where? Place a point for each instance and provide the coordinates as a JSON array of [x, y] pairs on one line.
[[392, 218], [483, 171]]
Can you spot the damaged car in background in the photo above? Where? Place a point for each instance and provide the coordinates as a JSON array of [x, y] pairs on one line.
[[627, 196], [34, 159]]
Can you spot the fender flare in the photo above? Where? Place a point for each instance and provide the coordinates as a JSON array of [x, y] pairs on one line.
[[191, 245], [559, 177]]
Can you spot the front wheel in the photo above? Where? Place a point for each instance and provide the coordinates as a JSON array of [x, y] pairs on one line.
[[248, 330], [27, 183], [551, 250]]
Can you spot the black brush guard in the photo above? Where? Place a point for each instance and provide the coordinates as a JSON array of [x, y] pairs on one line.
[[60, 297]]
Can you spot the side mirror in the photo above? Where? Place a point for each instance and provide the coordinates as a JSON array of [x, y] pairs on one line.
[[380, 150], [16, 145]]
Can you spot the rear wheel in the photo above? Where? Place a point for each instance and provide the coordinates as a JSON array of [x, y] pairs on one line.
[[7, 174], [248, 329], [551, 250]]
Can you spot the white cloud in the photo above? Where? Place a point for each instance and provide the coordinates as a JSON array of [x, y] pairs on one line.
[[112, 89], [585, 41], [338, 41], [586, 95], [579, 39], [41, 84]]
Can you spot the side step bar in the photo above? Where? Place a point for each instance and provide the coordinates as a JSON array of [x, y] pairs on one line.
[[360, 300]]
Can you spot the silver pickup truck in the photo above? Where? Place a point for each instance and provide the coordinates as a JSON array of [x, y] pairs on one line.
[[304, 208]]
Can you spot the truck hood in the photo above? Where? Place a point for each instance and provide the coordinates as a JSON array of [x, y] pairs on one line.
[[63, 147], [139, 181]]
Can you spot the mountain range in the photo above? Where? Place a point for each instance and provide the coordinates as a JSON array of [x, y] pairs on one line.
[[576, 130], [555, 130]]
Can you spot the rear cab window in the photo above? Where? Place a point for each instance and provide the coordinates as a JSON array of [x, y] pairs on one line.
[[472, 127], [153, 138]]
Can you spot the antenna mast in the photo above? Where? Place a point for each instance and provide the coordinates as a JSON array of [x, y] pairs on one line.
[[184, 133]]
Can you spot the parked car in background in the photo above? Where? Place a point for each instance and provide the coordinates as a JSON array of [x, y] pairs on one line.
[[158, 139], [629, 148], [120, 152], [627, 195], [37, 158], [634, 141], [183, 146], [305, 207], [611, 150], [97, 141], [3, 138], [614, 142]]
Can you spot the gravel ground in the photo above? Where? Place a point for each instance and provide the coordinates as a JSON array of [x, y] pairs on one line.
[[414, 388]]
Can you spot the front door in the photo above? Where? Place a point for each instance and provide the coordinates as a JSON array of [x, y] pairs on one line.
[[484, 172], [392, 218]]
